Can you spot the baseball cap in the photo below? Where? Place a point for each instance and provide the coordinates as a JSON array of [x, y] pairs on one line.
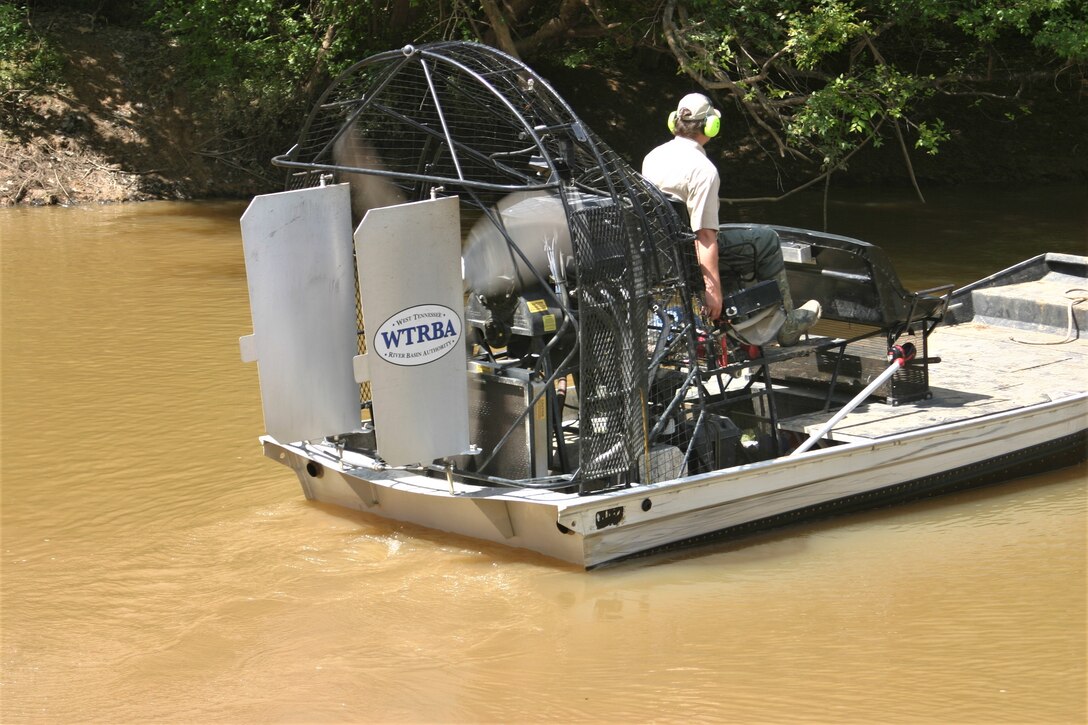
[[697, 105]]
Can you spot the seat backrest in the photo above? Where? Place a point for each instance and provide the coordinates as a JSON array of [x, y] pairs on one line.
[[854, 281], [681, 210]]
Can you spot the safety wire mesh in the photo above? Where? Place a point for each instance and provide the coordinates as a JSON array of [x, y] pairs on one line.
[[465, 119]]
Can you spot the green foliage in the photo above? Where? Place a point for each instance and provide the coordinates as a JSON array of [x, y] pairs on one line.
[[259, 63], [14, 35], [604, 54], [1056, 25], [1064, 31], [830, 75], [812, 34], [822, 76], [26, 61], [855, 108], [245, 57], [930, 136]]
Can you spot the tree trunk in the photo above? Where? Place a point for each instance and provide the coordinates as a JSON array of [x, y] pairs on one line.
[[499, 27]]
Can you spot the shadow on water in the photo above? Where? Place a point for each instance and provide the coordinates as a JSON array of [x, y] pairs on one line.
[[941, 509]]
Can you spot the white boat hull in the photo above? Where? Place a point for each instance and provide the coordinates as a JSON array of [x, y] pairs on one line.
[[593, 530]]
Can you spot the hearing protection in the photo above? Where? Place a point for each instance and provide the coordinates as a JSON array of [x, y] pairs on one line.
[[712, 124]]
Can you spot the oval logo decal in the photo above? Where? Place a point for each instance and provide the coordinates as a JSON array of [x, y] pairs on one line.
[[418, 335]]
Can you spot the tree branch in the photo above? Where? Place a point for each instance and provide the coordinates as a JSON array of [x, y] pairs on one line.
[[499, 27], [879, 58], [906, 160], [720, 81], [813, 180], [309, 88], [595, 9], [561, 24]]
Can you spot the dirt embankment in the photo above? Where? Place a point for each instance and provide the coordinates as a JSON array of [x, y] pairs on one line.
[[122, 129], [118, 129]]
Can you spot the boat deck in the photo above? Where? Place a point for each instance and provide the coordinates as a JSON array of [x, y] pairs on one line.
[[984, 369], [989, 365]]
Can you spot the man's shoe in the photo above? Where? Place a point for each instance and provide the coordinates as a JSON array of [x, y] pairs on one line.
[[798, 322]]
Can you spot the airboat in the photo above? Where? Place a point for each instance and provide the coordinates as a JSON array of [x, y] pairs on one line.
[[469, 313]]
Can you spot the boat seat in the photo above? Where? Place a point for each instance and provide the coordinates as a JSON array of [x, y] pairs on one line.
[[855, 282], [754, 309], [860, 292]]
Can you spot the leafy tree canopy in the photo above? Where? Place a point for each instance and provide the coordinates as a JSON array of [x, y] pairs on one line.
[[821, 78], [824, 77]]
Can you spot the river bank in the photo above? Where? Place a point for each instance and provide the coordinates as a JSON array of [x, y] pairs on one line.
[[120, 126]]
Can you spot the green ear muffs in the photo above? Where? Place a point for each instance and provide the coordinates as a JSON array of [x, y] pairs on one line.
[[712, 124]]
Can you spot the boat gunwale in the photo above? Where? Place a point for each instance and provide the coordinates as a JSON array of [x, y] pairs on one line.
[[401, 480]]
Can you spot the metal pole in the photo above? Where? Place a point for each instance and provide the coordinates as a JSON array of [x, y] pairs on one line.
[[899, 356]]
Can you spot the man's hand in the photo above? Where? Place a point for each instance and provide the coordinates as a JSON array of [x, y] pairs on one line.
[[706, 250], [713, 298]]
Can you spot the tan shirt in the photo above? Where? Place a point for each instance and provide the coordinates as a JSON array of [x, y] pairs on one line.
[[681, 168]]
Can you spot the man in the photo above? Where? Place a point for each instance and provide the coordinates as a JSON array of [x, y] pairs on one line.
[[681, 169]]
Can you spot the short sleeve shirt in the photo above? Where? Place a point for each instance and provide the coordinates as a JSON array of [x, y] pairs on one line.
[[681, 168]]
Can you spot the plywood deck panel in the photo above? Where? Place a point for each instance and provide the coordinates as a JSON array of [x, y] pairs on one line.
[[983, 370]]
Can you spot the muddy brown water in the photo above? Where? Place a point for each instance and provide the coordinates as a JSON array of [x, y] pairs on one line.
[[156, 568]]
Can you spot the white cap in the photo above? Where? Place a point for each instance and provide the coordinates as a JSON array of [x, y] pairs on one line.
[[697, 106]]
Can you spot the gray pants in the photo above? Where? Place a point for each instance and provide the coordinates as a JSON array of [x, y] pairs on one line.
[[748, 254]]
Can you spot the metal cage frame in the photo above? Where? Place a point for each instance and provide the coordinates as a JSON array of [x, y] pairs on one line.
[[459, 118]]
